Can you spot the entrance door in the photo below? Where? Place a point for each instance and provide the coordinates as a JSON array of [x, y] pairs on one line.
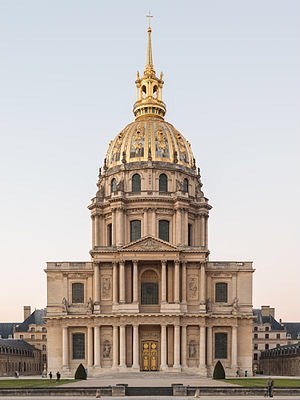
[[149, 356]]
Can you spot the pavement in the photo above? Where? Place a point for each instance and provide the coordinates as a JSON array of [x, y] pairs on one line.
[[150, 398]]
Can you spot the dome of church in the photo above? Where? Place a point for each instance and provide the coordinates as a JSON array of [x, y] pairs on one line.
[[149, 137]]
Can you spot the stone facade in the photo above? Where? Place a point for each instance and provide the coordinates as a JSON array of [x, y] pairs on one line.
[[282, 361], [149, 299]]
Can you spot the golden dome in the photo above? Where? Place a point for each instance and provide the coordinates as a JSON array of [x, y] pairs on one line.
[[149, 139]]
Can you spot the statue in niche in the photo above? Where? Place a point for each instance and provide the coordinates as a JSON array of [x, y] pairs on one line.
[[192, 350], [65, 304], [208, 305], [106, 349], [90, 305], [235, 305]]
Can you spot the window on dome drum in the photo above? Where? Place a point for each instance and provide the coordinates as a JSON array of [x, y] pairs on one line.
[[113, 185], [78, 346], [163, 183], [149, 293], [221, 292], [185, 187], [109, 235], [77, 293], [220, 345], [189, 234], [135, 230], [136, 183], [163, 230]]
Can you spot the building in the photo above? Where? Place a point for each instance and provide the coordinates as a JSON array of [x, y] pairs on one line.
[[20, 356], [33, 330], [7, 329], [293, 331], [267, 333], [282, 361], [149, 299]]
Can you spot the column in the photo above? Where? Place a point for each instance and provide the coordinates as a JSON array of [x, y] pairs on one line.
[[163, 282], [65, 347], [202, 283], [114, 227], [122, 282], [119, 227], [206, 229], [115, 283], [135, 350], [163, 340], [176, 283], [97, 346], [234, 287], [135, 282], [153, 228], [90, 346], [178, 226], [234, 347], [183, 300], [96, 283], [202, 347], [146, 222], [115, 346], [185, 227], [93, 230], [176, 346], [96, 229], [183, 346], [209, 346], [202, 222], [122, 346]]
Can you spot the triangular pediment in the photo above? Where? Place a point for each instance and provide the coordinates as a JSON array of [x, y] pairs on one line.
[[149, 243]]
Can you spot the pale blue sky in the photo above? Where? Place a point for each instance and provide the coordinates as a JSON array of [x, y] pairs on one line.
[[232, 87]]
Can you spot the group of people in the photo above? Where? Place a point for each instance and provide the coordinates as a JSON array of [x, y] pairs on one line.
[[58, 375]]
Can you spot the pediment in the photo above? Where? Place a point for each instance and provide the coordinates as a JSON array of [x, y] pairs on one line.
[[149, 243]]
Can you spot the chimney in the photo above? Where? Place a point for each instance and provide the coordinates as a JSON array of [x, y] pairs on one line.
[[27, 312], [267, 311]]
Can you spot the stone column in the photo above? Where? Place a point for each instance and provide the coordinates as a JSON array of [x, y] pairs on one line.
[[122, 347], [183, 346], [93, 230], [163, 355], [176, 346], [146, 222], [206, 230], [135, 350], [176, 283], [202, 230], [234, 347], [209, 348], [163, 282], [119, 227], [113, 227], [135, 293], [97, 346], [202, 348], [122, 282], [115, 283], [184, 297], [96, 229], [153, 228], [202, 284], [178, 226], [115, 346], [96, 283], [65, 347], [90, 346], [185, 222]]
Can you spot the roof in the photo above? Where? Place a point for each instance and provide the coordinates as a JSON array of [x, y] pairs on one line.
[[16, 344], [293, 328], [35, 318], [7, 329], [261, 320]]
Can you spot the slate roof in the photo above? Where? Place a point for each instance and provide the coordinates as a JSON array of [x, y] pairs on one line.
[[16, 344], [293, 328], [36, 318], [261, 320], [7, 328]]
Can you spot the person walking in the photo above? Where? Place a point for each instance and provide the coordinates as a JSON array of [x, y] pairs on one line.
[[57, 376], [50, 375], [270, 386]]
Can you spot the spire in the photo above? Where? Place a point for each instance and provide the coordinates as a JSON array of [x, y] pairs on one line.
[[149, 87]]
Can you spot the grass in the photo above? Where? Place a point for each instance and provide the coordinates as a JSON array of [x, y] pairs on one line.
[[262, 382], [31, 383]]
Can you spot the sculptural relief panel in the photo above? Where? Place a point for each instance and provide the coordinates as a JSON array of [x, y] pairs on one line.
[[193, 287]]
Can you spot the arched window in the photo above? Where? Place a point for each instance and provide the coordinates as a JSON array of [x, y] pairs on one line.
[[163, 230], [163, 183], [78, 346], [135, 230], [155, 91], [221, 292], [185, 186], [77, 293], [109, 235], [136, 183], [149, 288], [113, 185]]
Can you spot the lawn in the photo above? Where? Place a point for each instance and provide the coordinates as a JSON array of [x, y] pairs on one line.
[[262, 382], [31, 383]]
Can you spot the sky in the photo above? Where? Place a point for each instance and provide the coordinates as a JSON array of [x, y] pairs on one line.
[[232, 88]]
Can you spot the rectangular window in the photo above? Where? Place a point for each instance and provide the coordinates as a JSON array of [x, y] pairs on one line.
[[277, 335], [266, 336], [77, 293], [221, 292], [135, 230], [163, 230], [78, 346], [109, 235], [220, 345], [149, 293], [189, 234]]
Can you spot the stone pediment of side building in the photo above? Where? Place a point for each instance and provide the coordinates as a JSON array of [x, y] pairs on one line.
[[149, 243]]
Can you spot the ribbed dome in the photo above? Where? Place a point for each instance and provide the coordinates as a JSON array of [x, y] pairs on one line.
[[150, 139]]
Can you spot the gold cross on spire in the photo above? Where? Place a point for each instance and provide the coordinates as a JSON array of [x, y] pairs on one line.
[[149, 16]]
